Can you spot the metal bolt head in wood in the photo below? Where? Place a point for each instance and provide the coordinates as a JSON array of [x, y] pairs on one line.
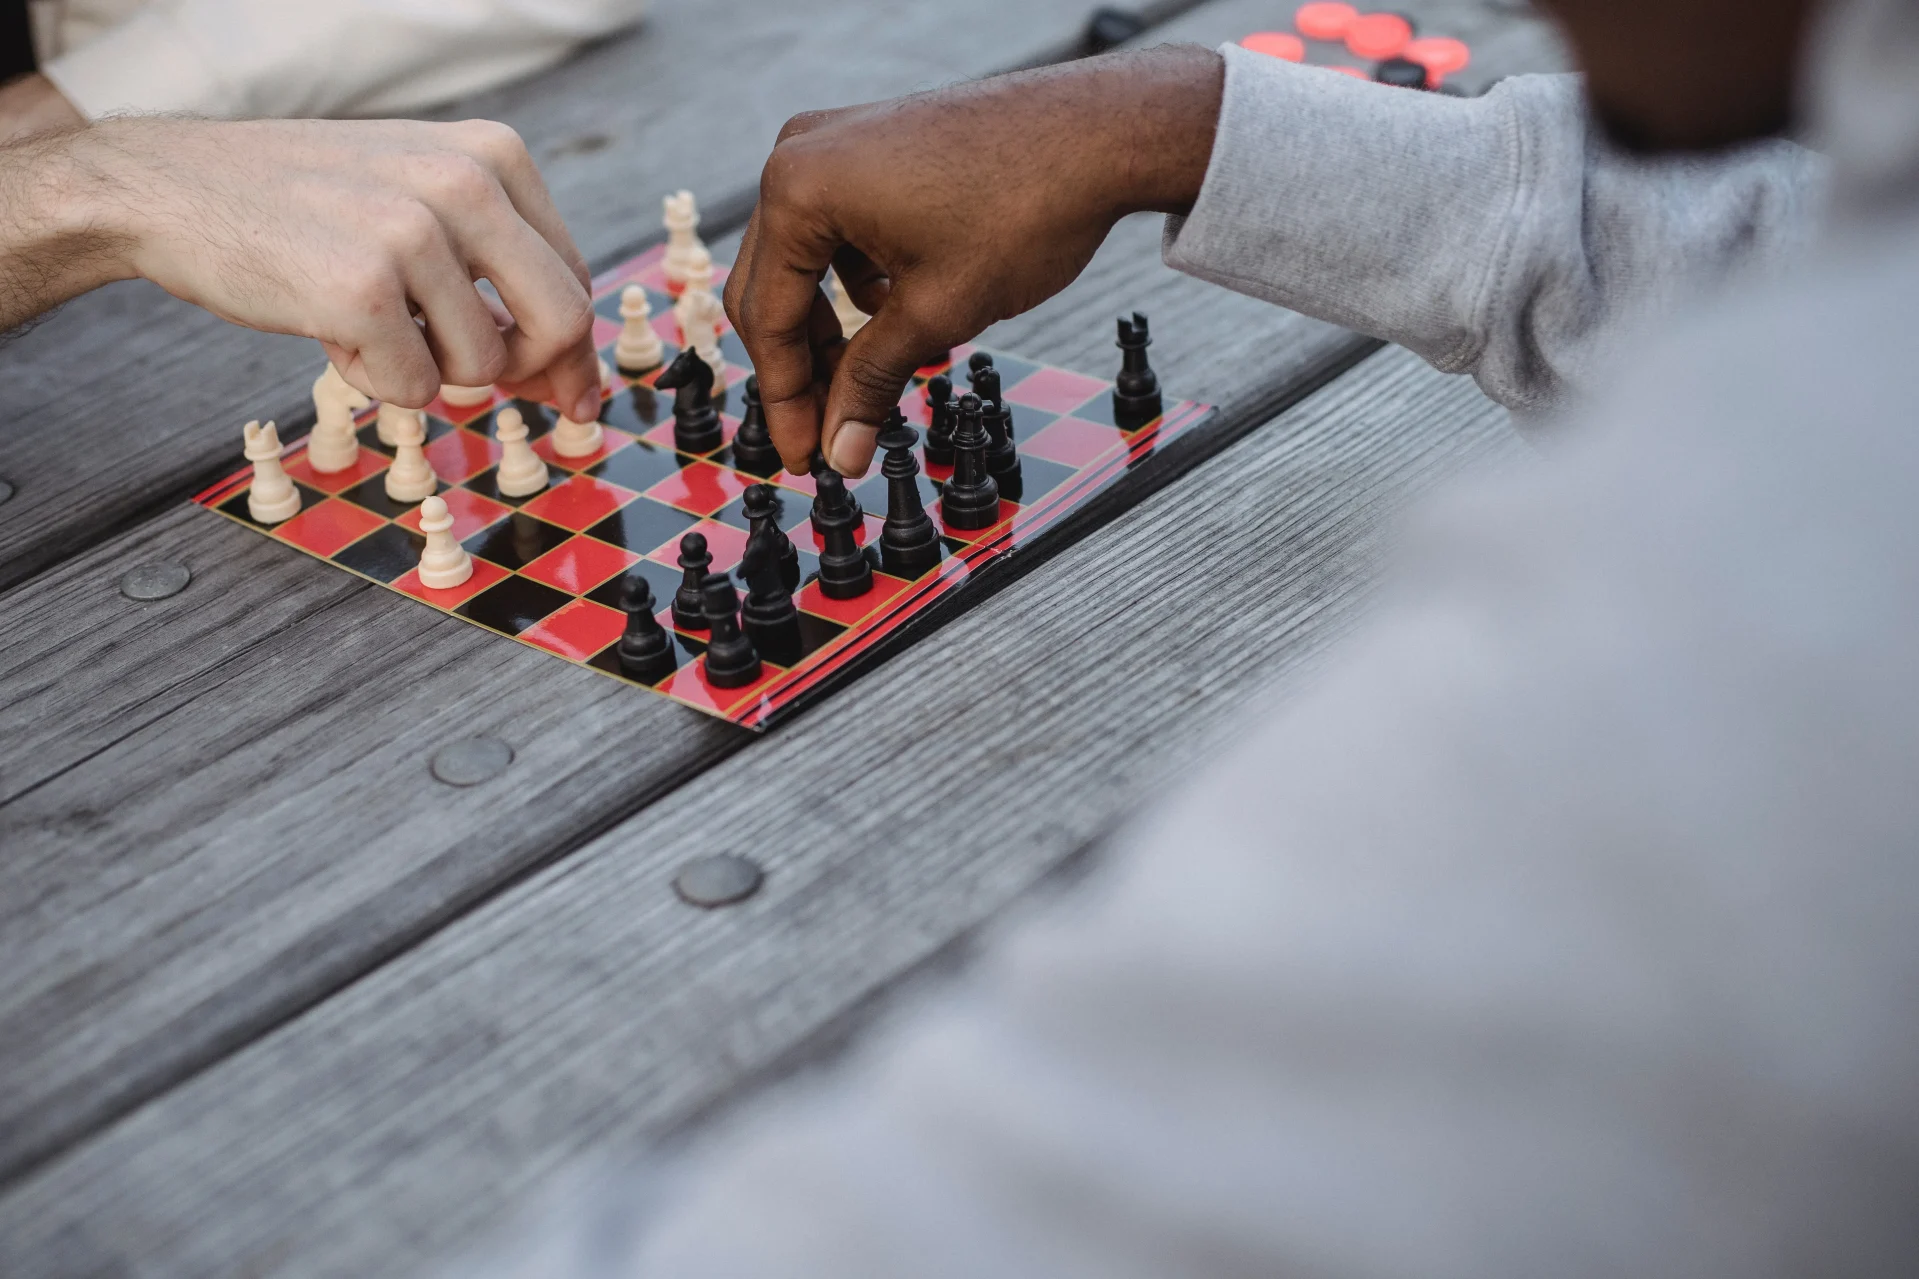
[[154, 581], [719, 880], [471, 760], [6, 490]]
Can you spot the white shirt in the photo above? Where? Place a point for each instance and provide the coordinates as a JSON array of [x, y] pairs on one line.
[[251, 58]]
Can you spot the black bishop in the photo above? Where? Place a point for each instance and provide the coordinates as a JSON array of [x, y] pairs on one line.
[[909, 543], [763, 507]]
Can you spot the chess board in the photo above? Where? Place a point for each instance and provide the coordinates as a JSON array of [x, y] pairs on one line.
[[548, 568]]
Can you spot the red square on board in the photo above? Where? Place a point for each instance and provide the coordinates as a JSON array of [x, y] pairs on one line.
[[485, 574], [471, 512], [798, 483], [329, 526], [578, 565], [577, 631], [1055, 390], [365, 467], [1007, 510], [913, 405], [612, 443], [578, 502], [886, 588], [461, 454], [689, 684], [662, 434], [701, 488], [726, 544], [1074, 442], [606, 332]]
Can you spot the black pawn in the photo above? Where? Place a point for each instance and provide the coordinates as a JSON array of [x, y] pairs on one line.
[[977, 363], [909, 544], [844, 570], [768, 616], [1136, 391], [822, 468], [645, 650], [1002, 454], [939, 433], [689, 602], [761, 506], [970, 499], [731, 659], [753, 450], [696, 422]]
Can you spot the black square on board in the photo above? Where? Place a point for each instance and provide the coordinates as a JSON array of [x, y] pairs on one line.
[[794, 509], [1038, 477], [384, 554], [735, 350], [684, 653], [638, 409], [487, 484], [643, 525], [236, 506], [1100, 409], [369, 437], [513, 604], [664, 580], [1012, 372], [516, 541], [371, 494], [638, 466], [872, 494]]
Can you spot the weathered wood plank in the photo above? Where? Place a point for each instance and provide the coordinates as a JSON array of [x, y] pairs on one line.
[[588, 1007], [136, 399]]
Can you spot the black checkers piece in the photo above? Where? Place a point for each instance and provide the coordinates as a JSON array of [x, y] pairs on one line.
[[970, 499], [645, 649], [844, 570], [761, 506], [909, 544], [1136, 398], [1002, 454], [753, 450], [939, 434], [769, 617], [731, 660], [1402, 73], [696, 422], [689, 602]]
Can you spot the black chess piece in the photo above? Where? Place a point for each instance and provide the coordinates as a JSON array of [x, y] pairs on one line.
[[844, 570], [689, 602], [970, 499], [820, 468], [768, 616], [1403, 73], [1002, 454], [977, 363], [939, 433], [645, 650], [753, 450], [1136, 399], [761, 505], [909, 544], [731, 659], [696, 421]]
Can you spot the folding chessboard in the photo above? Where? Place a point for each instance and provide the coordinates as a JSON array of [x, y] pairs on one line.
[[548, 568]]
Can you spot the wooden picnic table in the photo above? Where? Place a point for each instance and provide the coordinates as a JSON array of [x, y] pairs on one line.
[[279, 1002]]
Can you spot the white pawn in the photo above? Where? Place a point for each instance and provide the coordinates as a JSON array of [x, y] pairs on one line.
[[333, 445], [852, 319], [700, 329], [444, 563], [521, 472], [639, 347], [411, 476], [272, 497], [465, 397], [577, 439], [388, 424], [682, 237]]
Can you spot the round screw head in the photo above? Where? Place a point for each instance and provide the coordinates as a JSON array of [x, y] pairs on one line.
[[154, 581], [719, 880], [471, 760], [6, 490]]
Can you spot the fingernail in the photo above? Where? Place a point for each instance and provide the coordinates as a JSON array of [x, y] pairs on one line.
[[853, 448]]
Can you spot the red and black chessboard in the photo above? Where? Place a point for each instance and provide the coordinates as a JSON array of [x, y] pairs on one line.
[[548, 568]]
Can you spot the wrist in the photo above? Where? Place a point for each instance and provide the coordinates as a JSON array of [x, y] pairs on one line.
[[1160, 107], [69, 215]]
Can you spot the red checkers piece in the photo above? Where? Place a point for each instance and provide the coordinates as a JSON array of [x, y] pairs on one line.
[[1440, 55], [1283, 45], [1378, 36], [1324, 21]]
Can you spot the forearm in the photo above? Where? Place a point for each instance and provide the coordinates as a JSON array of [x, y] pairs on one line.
[[62, 234]]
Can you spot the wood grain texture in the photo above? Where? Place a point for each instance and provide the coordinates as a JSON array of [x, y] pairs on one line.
[[588, 1007]]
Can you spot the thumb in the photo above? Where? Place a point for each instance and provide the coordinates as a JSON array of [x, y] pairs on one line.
[[873, 372]]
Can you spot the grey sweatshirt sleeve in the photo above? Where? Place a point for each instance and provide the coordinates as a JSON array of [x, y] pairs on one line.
[[1500, 236]]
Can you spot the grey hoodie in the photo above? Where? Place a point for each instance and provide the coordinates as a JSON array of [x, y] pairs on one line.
[[1570, 926]]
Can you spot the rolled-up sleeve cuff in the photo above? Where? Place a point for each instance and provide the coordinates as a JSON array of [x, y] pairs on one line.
[[146, 64]]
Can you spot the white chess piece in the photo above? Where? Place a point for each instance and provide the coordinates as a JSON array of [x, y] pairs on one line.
[[699, 280], [606, 375], [333, 445], [639, 348], [387, 423], [852, 319], [700, 329], [577, 439], [521, 473], [465, 397], [444, 562], [682, 237], [272, 497], [411, 476]]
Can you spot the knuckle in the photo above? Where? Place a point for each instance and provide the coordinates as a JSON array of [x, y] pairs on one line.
[[804, 122], [498, 144], [367, 292], [458, 179], [409, 229]]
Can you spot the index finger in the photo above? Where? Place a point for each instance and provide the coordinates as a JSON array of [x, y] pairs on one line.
[[772, 311]]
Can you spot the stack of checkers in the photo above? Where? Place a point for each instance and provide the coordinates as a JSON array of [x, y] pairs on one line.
[[1381, 46]]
